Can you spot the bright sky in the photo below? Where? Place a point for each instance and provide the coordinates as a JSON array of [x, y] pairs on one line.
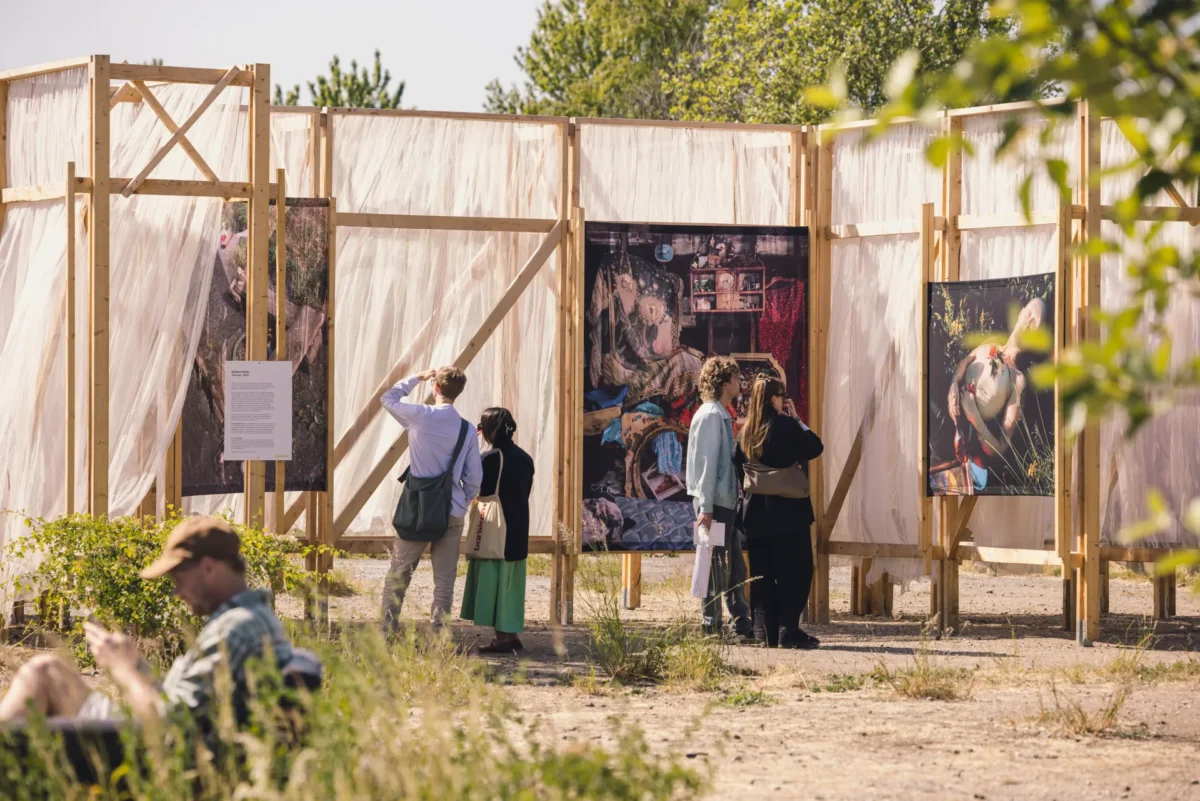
[[446, 51]]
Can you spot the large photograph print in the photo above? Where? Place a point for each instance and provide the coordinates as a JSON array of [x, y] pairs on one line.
[[205, 471], [990, 431], [659, 299]]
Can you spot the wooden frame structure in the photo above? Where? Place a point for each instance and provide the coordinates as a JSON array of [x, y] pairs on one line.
[[811, 168]]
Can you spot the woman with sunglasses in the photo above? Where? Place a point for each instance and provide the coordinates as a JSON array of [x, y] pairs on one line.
[[778, 528]]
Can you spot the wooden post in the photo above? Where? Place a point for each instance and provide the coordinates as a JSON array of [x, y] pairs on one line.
[[173, 473], [1063, 312], [281, 344], [948, 507], [1089, 584], [562, 359], [98, 280], [818, 161], [575, 408], [328, 537], [314, 152], [1104, 587], [924, 502], [69, 310], [256, 289], [631, 580]]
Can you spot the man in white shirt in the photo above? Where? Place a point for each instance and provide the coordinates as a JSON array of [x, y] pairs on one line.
[[433, 432]]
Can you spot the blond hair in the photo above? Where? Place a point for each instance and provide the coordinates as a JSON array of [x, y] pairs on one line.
[[450, 382], [759, 415], [715, 374]]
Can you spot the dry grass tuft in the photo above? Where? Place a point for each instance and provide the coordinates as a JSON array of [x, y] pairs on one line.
[[1068, 716], [924, 678]]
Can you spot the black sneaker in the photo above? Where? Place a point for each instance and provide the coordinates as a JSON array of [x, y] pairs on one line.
[[800, 641]]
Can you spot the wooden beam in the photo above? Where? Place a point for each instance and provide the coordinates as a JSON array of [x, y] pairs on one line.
[[924, 503], [1014, 219], [820, 302], [281, 344], [576, 267], [884, 228], [150, 72], [1156, 214], [1090, 176], [463, 116], [561, 479], [331, 312], [464, 359], [1016, 556], [151, 186], [126, 93], [160, 112], [327, 143], [383, 543], [446, 223], [314, 149], [1064, 303], [259, 250], [21, 73], [997, 108], [688, 125], [631, 580], [849, 470], [881, 550], [958, 527], [182, 130], [69, 311], [98, 286]]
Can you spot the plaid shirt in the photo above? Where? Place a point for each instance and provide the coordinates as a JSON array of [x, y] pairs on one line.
[[242, 629]]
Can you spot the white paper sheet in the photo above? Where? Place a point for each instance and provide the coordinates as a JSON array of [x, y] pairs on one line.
[[701, 570]]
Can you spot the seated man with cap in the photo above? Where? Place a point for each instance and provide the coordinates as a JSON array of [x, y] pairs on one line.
[[203, 558]]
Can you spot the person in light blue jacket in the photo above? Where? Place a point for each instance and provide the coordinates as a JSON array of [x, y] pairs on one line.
[[712, 484]]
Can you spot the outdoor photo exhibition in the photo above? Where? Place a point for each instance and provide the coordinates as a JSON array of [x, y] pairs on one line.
[[674, 399]]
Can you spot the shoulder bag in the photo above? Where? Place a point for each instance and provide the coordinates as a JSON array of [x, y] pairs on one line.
[[784, 482], [423, 513], [487, 530]]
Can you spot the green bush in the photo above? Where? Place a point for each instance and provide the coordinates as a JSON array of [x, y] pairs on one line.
[[91, 564]]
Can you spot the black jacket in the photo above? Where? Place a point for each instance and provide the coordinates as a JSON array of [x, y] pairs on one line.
[[770, 515], [516, 483]]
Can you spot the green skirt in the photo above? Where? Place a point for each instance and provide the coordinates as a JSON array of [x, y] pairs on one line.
[[495, 594]]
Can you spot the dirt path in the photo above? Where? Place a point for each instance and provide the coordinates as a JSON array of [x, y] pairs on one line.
[[814, 738]]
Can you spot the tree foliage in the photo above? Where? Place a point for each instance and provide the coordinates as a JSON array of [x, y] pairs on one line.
[[1137, 62], [602, 58], [354, 88], [757, 59], [735, 60]]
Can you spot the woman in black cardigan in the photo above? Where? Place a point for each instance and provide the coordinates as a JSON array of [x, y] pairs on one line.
[[778, 530], [495, 591]]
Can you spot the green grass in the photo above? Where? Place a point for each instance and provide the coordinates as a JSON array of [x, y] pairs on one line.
[[744, 697], [411, 718], [842, 683], [925, 678]]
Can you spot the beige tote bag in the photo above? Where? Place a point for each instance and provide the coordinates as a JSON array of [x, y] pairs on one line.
[[486, 529]]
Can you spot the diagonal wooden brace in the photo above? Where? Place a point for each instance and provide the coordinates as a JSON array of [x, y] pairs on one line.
[[180, 133], [161, 113]]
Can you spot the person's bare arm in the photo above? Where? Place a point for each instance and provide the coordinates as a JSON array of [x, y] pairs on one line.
[[117, 653]]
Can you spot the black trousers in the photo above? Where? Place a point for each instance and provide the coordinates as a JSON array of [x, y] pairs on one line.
[[781, 570]]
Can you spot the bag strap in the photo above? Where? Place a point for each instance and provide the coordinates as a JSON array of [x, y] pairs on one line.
[[462, 437]]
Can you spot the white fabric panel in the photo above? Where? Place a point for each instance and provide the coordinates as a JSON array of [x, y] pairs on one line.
[[683, 175], [992, 185], [872, 387], [884, 178], [873, 369], [291, 149], [47, 127], [161, 250], [419, 296]]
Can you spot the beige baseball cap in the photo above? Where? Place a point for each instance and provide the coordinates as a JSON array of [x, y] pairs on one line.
[[193, 538]]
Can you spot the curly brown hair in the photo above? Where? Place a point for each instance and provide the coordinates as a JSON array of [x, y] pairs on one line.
[[715, 374]]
